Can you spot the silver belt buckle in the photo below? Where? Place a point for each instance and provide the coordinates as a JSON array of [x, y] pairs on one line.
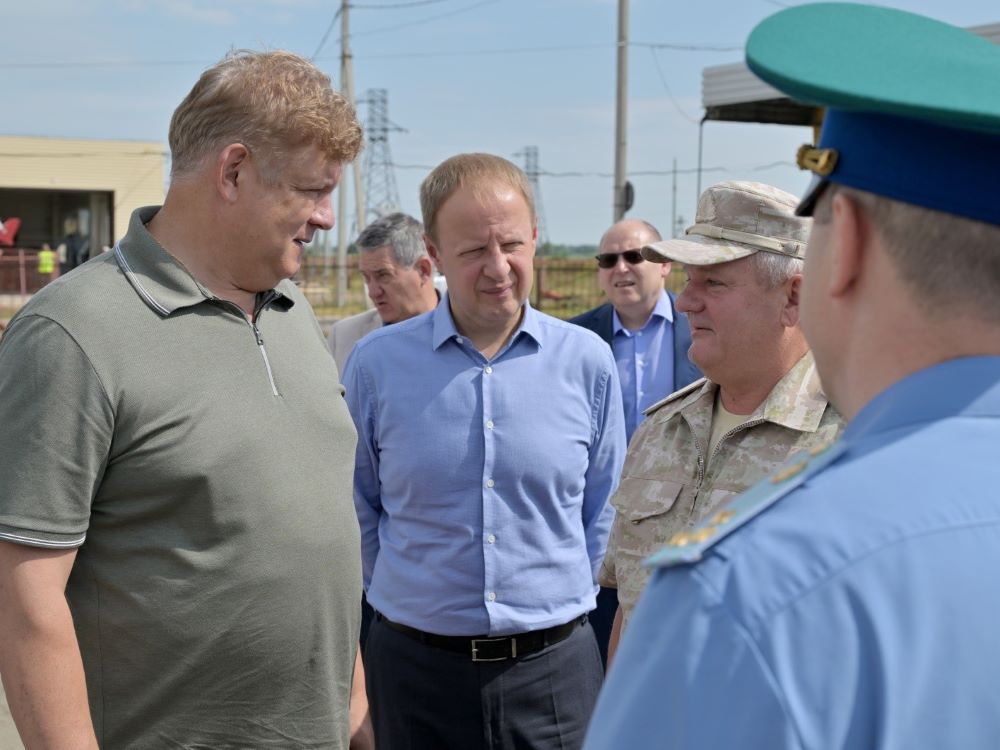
[[513, 648]]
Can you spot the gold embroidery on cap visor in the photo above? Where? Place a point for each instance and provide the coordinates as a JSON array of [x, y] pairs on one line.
[[822, 161]]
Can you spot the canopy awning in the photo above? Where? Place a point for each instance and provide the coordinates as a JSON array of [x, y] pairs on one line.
[[732, 93]]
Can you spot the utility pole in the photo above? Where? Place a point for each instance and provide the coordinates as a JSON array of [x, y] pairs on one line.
[[673, 205], [620, 202], [347, 89]]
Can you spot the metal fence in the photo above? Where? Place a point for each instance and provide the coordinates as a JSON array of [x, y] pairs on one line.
[[563, 287], [19, 275]]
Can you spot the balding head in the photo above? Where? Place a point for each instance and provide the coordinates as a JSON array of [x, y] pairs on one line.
[[632, 288]]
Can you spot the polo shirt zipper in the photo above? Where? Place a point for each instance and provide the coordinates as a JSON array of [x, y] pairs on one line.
[[252, 322], [263, 353], [260, 338]]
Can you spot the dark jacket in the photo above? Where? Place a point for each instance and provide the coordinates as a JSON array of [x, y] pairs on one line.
[[599, 320]]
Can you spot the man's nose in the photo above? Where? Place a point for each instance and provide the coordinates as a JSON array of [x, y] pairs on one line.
[[322, 215], [497, 265], [688, 301]]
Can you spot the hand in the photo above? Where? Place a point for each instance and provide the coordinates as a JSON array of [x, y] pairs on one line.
[[362, 735], [362, 732]]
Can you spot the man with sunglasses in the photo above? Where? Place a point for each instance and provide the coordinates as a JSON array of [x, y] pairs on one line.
[[640, 322], [649, 338], [761, 401]]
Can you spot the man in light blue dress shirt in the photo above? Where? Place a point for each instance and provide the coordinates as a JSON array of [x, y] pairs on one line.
[[640, 321], [850, 599], [490, 439]]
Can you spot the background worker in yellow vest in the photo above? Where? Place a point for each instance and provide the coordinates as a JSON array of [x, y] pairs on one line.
[[46, 260]]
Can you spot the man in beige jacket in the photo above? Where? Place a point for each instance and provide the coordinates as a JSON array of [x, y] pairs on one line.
[[761, 400]]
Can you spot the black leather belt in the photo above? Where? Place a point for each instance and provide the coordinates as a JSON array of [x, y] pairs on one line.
[[485, 648]]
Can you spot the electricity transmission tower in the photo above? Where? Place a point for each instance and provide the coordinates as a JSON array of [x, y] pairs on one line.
[[532, 170], [381, 193]]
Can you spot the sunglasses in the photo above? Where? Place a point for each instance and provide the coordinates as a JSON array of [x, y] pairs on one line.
[[610, 260]]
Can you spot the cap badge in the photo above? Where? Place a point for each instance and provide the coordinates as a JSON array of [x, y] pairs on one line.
[[819, 160]]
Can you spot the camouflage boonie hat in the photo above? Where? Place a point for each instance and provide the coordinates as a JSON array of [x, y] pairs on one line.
[[734, 220]]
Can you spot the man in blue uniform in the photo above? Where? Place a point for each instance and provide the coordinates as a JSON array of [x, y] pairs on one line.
[[847, 600]]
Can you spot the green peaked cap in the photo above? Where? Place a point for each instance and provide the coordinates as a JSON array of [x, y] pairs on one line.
[[867, 58]]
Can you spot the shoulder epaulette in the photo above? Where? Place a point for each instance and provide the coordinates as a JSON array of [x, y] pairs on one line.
[[674, 396], [690, 546]]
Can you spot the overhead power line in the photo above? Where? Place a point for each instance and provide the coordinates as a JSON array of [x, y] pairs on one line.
[[315, 56], [636, 173], [666, 87], [478, 52], [388, 55], [665, 172], [421, 21], [386, 6], [689, 47], [99, 64], [429, 167], [326, 34]]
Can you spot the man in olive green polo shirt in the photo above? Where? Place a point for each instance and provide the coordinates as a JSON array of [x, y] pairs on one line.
[[177, 456]]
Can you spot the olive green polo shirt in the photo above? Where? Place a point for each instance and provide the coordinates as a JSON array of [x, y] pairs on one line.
[[202, 465]]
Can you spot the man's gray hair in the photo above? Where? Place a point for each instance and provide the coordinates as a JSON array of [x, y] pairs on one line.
[[774, 269], [401, 232]]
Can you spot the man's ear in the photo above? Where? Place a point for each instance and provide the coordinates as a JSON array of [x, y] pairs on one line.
[[230, 169], [665, 270], [790, 311], [850, 235], [425, 267], [433, 252]]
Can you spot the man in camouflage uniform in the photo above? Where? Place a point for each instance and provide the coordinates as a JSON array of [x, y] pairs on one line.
[[761, 400]]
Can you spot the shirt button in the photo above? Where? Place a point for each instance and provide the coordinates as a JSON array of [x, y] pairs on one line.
[[492, 597], [489, 482], [489, 424], [488, 369], [491, 538], [459, 339]]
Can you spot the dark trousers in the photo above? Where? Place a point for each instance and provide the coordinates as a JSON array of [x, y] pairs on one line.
[[427, 698], [603, 619]]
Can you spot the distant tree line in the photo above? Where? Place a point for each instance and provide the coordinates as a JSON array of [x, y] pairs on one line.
[[554, 250]]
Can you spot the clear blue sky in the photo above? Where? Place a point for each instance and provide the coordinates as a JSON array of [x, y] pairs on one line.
[[462, 75]]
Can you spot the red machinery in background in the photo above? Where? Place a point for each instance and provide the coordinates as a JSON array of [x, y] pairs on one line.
[[8, 231]]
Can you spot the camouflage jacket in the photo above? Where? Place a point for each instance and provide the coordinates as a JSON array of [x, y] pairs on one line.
[[668, 484]]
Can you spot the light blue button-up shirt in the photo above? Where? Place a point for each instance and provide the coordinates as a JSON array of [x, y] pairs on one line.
[[482, 485], [858, 611], [645, 360]]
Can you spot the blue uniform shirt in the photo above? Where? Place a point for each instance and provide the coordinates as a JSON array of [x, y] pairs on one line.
[[861, 610], [645, 360], [482, 485]]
